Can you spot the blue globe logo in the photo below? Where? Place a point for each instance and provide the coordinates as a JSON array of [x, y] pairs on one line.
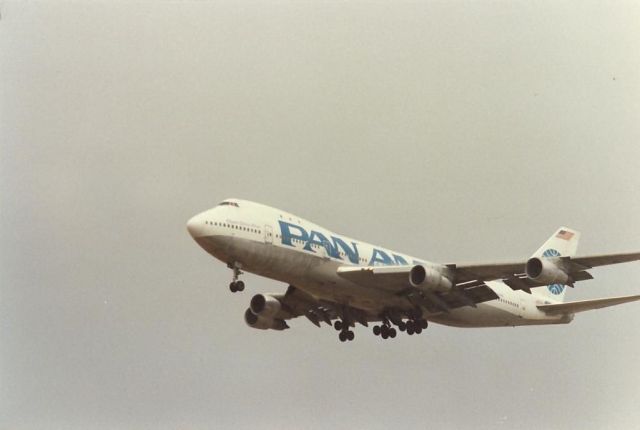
[[553, 288], [551, 253], [556, 288]]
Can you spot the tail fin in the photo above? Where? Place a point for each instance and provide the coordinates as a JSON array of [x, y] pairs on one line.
[[563, 243]]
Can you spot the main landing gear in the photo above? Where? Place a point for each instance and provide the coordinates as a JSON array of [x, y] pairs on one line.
[[385, 330], [345, 333], [415, 326], [236, 285]]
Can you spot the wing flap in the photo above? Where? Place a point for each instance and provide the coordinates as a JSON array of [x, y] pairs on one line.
[[457, 297], [585, 305], [520, 282]]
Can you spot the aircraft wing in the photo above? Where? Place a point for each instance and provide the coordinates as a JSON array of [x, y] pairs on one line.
[[585, 305], [395, 279], [513, 273], [486, 272], [602, 260], [295, 303]]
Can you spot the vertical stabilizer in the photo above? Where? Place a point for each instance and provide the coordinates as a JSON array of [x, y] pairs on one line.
[[563, 243]]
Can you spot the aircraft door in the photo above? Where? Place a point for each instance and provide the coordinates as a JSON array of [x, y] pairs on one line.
[[268, 234]]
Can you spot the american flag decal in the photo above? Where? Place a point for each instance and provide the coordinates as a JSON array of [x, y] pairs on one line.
[[564, 234]]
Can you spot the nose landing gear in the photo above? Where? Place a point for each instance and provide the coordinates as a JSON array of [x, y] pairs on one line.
[[236, 285]]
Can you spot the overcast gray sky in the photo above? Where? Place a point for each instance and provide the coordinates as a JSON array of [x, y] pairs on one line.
[[454, 131]]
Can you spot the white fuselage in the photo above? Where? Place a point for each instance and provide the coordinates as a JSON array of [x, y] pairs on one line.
[[275, 244]]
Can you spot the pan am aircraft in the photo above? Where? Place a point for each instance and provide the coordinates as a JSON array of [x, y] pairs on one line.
[[343, 282]]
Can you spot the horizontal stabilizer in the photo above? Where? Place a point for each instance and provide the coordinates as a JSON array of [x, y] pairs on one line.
[[585, 305]]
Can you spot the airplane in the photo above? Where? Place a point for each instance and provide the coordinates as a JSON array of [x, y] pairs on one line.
[[340, 281]]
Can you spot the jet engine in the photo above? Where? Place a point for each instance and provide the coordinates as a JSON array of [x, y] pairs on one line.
[[262, 310], [265, 305], [258, 321], [421, 276], [545, 271]]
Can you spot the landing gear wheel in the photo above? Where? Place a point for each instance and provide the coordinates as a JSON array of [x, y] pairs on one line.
[[235, 285], [385, 331], [351, 335], [342, 336], [376, 330], [392, 333], [409, 329], [337, 325], [418, 330], [402, 326]]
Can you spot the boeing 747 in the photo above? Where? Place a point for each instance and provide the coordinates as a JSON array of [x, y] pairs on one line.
[[343, 282]]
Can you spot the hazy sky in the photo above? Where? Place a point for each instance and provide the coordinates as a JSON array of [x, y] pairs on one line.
[[455, 131]]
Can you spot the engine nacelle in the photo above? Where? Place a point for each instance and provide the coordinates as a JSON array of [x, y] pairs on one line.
[[262, 323], [545, 271], [421, 276], [265, 305]]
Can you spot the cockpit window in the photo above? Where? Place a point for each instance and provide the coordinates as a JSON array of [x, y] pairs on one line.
[[229, 204]]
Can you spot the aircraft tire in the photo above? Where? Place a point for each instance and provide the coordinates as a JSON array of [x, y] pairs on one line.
[[376, 330], [239, 286], [351, 335]]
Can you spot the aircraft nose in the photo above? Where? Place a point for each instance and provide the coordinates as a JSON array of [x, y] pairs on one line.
[[194, 226]]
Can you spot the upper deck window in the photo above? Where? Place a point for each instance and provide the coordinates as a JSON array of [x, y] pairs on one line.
[[229, 204]]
